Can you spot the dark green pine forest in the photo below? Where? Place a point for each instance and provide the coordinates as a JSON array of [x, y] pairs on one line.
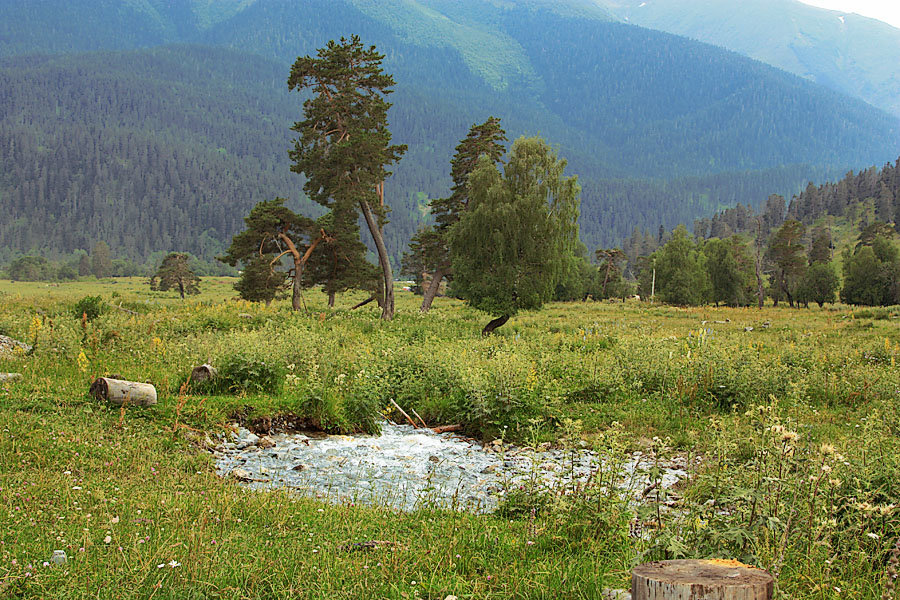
[[156, 129]]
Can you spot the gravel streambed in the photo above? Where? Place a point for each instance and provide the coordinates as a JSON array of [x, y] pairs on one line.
[[406, 468]]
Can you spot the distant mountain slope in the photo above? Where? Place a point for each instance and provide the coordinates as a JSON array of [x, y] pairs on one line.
[[192, 136], [846, 52]]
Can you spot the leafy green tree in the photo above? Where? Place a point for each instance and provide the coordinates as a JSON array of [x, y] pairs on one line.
[[820, 284], [860, 284], [510, 248], [873, 230], [176, 273], [30, 268], [84, 264], [259, 281], [786, 252], [680, 275], [273, 230], [345, 145], [872, 273], [430, 246], [820, 247], [645, 272], [101, 260], [611, 283], [727, 281], [580, 278]]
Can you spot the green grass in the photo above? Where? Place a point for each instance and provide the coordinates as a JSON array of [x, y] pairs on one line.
[[620, 376]]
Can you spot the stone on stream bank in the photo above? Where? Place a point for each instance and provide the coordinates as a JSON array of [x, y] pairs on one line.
[[407, 468], [11, 346]]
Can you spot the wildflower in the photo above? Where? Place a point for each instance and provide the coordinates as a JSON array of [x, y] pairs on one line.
[[107, 540], [827, 449], [874, 536], [82, 362], [174, 563], [790, 436]]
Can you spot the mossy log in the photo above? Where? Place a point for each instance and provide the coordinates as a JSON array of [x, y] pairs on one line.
[[700, 580], [119, 392], [203, 373]]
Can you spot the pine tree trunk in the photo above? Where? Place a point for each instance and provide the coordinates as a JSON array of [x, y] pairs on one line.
[[387, 309], [296, 289], [432, 290], [695, 579], [494, 324], [330, 299]]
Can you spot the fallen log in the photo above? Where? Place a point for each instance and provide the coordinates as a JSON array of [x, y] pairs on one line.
[[363, 303], [693, 579], [447, 428], [203, 373], [119, 392], [124, 310]]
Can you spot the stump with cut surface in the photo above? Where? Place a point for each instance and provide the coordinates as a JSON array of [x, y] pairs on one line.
[[119, 392], [203, 373], [700, 580]]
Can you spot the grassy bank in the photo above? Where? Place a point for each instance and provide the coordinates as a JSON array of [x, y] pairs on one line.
[[796, 423]]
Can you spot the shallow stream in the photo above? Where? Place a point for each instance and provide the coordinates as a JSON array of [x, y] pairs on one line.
[[406, 468]]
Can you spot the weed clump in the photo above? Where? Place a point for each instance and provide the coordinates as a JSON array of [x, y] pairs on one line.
[[91, 306], [242, 374]]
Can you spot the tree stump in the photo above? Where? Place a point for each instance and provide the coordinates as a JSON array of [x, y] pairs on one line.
[[118, 392], [203, 373], [700, 580]]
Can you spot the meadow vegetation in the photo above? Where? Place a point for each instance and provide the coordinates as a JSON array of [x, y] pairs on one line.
[[790, 417]]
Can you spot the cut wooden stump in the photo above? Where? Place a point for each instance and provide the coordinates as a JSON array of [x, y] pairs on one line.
[[203, 373], [700, 580], [118, 392]]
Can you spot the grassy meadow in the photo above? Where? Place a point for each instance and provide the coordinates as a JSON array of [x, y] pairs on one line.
[[794, 425]]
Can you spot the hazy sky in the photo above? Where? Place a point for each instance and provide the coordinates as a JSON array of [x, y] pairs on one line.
[[885, 10]]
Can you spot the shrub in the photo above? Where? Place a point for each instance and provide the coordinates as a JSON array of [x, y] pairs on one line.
[[91, 306], [239, 373]]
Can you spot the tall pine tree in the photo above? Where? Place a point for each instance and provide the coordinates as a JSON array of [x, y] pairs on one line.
[[345, 146]]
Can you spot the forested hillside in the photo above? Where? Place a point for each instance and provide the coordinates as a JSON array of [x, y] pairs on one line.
[[880, 188], [167, 148]]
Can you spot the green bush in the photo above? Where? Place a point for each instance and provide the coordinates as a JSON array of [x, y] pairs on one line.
[[89, 306], [239, 373]]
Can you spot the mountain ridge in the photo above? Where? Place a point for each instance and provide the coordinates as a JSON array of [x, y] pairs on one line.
[[846, 52]]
